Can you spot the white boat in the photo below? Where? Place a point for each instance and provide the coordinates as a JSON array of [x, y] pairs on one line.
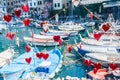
[[47, 36], [70, 26], [103, 42], [40, 42], [111, 36], [61, 33], [85, 48], [89, 24], [104, 57], [6, 57], [70, 33], [38, 69]]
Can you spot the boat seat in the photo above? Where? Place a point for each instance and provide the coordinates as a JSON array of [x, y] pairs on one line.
[[45, 64]]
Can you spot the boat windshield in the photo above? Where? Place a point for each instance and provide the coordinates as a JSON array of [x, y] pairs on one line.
[[118, 50]]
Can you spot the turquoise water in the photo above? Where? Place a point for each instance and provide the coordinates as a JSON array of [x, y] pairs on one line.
[[69, 68]]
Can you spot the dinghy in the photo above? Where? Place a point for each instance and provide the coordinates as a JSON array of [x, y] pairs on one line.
[[104, 57], [6, 56], [40, 42], [71, 33], [70, 26], [49, 37], [37, 69], [102, 42], [85, 48]]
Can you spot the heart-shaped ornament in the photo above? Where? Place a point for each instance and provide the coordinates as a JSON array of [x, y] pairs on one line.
[[56, 38], [97, 36], [27, 48], [17, 12], [7, 18], [28, 60], [87, 62], [39, 55], [113, 66], [95, 70], [26, 22], [10, 35], [69, 49], [45, 56], [105, 27], [97, 65], [25, 8]]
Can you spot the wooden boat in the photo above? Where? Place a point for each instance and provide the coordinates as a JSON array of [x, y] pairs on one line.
[[38, 69], [70, 26], [40, 42], [6, 57]]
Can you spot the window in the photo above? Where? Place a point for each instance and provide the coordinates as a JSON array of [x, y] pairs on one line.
[[4, 4], [3, 9], [30, 4], [8, 3], [67, 4], [55, 5], [40, 2], [58, 4], [34, 4], [11, 3], [39, 9]]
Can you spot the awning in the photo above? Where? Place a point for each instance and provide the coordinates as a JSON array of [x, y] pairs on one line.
[[111, 4]]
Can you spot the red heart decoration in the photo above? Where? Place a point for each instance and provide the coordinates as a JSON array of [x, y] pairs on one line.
[[27, 48], [45, 56], [17, 12], [97, 36], [28, 60], [87, 62], [56, 38], [95, 70], [39, 55], [10, 35], [69, 49], [26, 22], [60, 42], [105, 27], [25, 8], [97, 65], [113, 66], [7, 17]]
